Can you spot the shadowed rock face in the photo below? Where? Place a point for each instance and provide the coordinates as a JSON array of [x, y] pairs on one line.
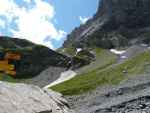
[[34, 58], [126, 13], [21, 98], [116, 23]]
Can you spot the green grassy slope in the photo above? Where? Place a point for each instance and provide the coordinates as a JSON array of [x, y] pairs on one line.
[[98, 77], [104, 58]]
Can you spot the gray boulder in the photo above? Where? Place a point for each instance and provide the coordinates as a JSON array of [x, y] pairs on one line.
[[22, 98]]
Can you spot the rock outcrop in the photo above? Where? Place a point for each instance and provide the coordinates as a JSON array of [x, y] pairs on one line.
[[34, 58], [116, 23], [22, 98]]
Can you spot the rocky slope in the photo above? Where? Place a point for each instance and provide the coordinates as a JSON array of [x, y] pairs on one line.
[[119, 24], [21, 98], [36, 58], [131, 96], [46, 77], [116, 23]]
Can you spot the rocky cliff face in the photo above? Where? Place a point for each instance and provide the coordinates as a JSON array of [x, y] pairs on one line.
[[116, 23], [21, 98]]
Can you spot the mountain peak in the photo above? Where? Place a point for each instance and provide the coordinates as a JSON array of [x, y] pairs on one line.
[[117, 22]]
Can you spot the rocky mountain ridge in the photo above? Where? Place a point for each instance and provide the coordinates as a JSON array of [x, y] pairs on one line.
[[36, 65], [121, 86], [116, 23], [34, 58]]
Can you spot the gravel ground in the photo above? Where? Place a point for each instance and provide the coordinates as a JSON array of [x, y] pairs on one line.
[[46, 77], [109, 98]]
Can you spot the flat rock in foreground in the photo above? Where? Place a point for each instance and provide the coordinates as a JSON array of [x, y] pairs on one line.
[[22, 98]]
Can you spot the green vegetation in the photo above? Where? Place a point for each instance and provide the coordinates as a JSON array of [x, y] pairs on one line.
[[7, 78], [104, 58], [19, 50], [111, 75]]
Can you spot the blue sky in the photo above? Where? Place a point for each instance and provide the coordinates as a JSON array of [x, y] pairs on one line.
[[45, 22], [69, 11]]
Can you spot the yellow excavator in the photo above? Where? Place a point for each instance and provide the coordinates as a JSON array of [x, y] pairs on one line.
[[5, 66]]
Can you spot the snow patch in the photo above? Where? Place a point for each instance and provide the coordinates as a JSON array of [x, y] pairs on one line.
[[67, 75], [124, 57], [78, 50], [117, 52]]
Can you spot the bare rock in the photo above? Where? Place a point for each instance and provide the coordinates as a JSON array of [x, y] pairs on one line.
[[22, 98], [117, 23]]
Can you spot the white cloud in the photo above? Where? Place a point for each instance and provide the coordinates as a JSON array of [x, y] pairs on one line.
[[83, 20], [34, 24], [28, 1], [2, 23]]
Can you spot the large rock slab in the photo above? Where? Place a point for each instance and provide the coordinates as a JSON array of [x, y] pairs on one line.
[[22, 98]]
